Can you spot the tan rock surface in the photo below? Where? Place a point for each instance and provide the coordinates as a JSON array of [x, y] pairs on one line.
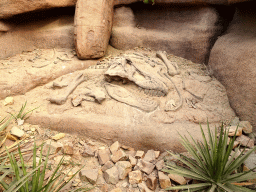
[[233, 61], [184, 32], [13, 7], [93, 24]]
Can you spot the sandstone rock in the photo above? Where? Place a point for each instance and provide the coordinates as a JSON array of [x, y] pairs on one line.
[[143, 187], [119, 155], [139, 154], [53, 31], [111, 175], [87, 151], [4, 27], [245, 141], [115, 147], [8, 101], [157, 154], [151, 182], [107, 165], [58, 136], [68, 149], [232, 60], [103, 155], [124, 168], [132, 160], [91, 175], [52, 146], [17, 132], [164, 180], [92, 32], [135, 177], [150, 156], [250, 162], [246, 126], [232, 130], [172, 36], [178, 179], [116, 190], [145, 166], [160, 165]]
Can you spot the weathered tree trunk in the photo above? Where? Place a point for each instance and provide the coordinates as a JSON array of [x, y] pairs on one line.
[[93, 24]]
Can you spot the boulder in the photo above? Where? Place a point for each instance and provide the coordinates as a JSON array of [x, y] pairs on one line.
[[233, 62], [183, 31], [93, 23], [38, 31], [13, 7]]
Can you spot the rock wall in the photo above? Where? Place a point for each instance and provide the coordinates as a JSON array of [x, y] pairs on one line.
[[187, 32], [13, 7], [233, 61]]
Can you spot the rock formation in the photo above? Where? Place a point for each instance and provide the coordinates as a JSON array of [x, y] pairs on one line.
[[233, 62], [182, 31]]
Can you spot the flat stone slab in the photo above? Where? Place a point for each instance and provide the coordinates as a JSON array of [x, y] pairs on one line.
[[127, 117]]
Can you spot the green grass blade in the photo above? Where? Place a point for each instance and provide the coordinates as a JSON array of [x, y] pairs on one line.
[[238, 188], [34, 178], [22, 181], [192, 186], [23, 167]]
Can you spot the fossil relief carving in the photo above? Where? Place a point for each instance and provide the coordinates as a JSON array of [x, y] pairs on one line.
[[136, 79]]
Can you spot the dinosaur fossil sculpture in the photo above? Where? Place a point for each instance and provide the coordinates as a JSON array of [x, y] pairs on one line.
[[152, 75]]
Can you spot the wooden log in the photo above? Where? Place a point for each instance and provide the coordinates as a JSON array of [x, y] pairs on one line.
[[93, 25]]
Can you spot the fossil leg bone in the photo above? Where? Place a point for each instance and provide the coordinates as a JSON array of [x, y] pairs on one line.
[[61, 98], [171, 66]]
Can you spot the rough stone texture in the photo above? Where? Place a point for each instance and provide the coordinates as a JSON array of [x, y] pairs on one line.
[[164, 180], [145, 166], [93, 24], [245, 141], [54, 147], [111, 175], [107, 165], [104, 156], [124, 168], [112, 120], [135, 177], [13, 7], [151, 182], [182, 31], [233, 62], [91, 175], [150, 156], [246, 126], [232, 130], [115, 147], [38, 31], [177, 178], [119, 155]]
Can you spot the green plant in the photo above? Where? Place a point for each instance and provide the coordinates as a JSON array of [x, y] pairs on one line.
[[34, 181], [212, 164], [21, 115], [4, 123], [147, 1]]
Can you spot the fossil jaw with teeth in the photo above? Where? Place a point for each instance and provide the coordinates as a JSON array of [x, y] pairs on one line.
[[144, 76]]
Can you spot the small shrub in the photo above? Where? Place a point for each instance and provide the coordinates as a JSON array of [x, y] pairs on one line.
[[212, 165]]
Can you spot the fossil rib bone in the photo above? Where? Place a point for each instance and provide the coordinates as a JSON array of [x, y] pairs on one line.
[[171, 66], [61, 98]]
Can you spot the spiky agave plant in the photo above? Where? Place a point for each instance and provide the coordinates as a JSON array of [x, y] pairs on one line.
[[212, 164]]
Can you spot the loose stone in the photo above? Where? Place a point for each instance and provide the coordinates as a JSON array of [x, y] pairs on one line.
[[111, 175], [107, 165], [150, 156], [139, 154], [246, 126], [245, 141], [145, 166], [178, 179], [119, 155], [151, 182], [115, 147], [124, 168], [135, 177], [17, 132], [91, 175], [103, 155], [164, 180]]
